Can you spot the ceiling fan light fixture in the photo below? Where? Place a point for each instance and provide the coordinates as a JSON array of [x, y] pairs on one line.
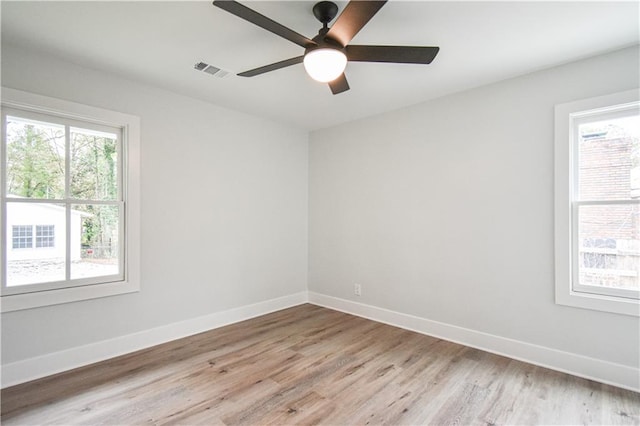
[[325, 64], [325, 55]]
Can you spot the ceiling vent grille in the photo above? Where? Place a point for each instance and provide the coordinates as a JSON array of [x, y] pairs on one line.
[[210, 69]]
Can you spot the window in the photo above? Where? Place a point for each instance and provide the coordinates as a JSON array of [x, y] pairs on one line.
[[22, 237], [45, 236], [597, 203], [72, 172]]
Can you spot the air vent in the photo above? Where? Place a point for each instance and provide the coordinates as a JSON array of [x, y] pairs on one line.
[[210, 69], [200, 66]]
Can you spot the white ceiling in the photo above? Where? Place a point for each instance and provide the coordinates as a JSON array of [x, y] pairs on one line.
[[159, 42]]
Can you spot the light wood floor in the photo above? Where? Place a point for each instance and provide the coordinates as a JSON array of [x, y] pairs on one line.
[[310, 365]]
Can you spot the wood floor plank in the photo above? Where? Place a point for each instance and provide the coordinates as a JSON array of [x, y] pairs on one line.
[[311, 365]]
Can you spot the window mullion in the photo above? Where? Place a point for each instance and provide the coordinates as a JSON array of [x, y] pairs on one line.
[[67, 205], [575, 245], [3, 205]]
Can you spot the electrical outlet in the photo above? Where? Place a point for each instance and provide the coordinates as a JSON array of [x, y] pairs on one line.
[[357, 289]]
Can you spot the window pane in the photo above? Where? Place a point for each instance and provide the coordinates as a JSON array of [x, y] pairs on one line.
[[35, 253], [95, 249], [35, 158], [94, 165], [609, 246], [609, 159]]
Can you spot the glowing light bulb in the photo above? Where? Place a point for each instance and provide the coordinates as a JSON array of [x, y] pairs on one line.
[[325, 64]]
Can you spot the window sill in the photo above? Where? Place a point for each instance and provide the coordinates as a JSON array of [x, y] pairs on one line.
[[17, 302], [597, 302]]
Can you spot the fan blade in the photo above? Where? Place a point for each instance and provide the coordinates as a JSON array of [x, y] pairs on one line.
[[272, 67], [262, 21], [354, 16], [397, 54], [339, 85]]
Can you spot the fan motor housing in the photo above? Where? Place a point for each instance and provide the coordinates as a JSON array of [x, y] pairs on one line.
[[325, 11]]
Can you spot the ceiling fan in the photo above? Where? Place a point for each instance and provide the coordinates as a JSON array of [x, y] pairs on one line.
[[326, 55]]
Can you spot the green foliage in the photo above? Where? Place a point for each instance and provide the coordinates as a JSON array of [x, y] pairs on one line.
[[93, 167], [35, 161]]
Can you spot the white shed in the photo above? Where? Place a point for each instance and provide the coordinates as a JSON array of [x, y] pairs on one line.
[[37, 231]]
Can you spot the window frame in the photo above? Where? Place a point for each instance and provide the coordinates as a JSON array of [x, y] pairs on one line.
[[566, 205], [130, 186]]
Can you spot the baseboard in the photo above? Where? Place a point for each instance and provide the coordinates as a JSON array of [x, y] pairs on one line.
[[46, 365], [578, 365]]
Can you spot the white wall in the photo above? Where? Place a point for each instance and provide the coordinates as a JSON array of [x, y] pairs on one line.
[[444, 211], [224, 211]]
